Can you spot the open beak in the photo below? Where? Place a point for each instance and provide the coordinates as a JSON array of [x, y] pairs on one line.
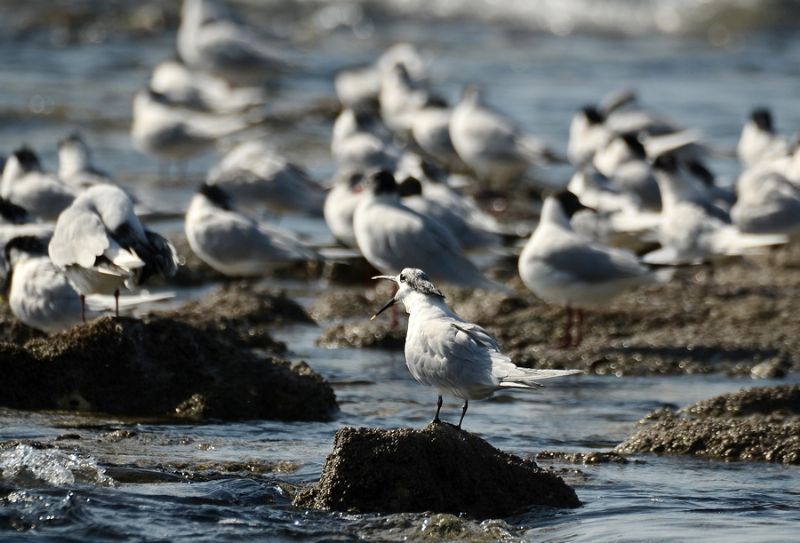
[[388, 304]]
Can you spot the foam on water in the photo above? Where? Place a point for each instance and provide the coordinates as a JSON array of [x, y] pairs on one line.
[[50, 466]]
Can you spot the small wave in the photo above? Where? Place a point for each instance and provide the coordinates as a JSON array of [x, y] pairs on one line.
[[716, 18], [50, 466]]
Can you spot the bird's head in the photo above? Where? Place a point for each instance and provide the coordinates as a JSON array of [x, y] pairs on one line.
[[379, 183], [592, 115], [762, 118], [216, 195], [410, 282]]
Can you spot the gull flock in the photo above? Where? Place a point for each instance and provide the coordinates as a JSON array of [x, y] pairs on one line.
[[640, 201]]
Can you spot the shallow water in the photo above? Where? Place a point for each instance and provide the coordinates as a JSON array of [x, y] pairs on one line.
[[707, 74]]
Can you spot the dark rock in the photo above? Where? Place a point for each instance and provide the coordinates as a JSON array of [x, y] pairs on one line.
[[155, 368], [365, 334], [756, 424], [439, 468], [242, 311], [352, 271]]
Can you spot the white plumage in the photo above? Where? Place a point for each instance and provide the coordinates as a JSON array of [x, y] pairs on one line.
[[452, 355]]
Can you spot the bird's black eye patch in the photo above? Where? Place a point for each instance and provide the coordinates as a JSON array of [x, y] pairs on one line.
[[402, 278]]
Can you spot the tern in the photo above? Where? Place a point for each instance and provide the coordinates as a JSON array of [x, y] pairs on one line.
[[452, 355]]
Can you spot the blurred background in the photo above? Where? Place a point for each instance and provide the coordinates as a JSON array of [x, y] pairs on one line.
[[704, 63]]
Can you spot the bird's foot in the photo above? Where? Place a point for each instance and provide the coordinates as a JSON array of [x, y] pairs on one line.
[[436, 420]]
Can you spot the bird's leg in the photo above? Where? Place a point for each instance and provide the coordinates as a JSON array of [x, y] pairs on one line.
[[83, 307], [463, 412], [116, 302], [438, 408], [578, 328], [566, 340]]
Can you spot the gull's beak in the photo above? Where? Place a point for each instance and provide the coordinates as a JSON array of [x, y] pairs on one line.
[[388, 304]]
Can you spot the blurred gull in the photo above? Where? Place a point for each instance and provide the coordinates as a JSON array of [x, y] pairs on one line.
[[623, 160], [491, 144], [360, 142], [563, 268], [688, 232], [759, 140], [340, 206], [25, 184], [233, 243], [75, 165], [101, 245], [430, 130], [401, 98], [769, 204], [458, 213], [359, 88], [169, 132], [391, 236], [201, 91], [454, 356], [210, 39], [39, 293], [255, 173]]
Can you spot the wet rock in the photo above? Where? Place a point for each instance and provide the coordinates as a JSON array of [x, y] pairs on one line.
[[364, 334], [153, 368], [339, 304], [754, 424], [243, 312], [736, 321], [595, 457], [438, 468]]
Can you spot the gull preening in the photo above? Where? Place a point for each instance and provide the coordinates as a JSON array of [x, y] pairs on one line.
[[101, 245], [454, 356]]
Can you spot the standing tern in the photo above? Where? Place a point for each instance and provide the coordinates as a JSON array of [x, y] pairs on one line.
[[563, 268], [390, 235], [454, 356], [101, 245]]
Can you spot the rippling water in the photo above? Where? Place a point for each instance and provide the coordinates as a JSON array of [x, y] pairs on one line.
[[703, 63]]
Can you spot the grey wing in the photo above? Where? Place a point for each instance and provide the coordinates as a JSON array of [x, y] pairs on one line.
[[594, 263], [79, 238], [478, 334]]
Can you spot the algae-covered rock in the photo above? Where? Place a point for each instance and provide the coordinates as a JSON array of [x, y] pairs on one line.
[[158, 367], [438, 468], [365, 334], [244, 312], [755, 424]]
